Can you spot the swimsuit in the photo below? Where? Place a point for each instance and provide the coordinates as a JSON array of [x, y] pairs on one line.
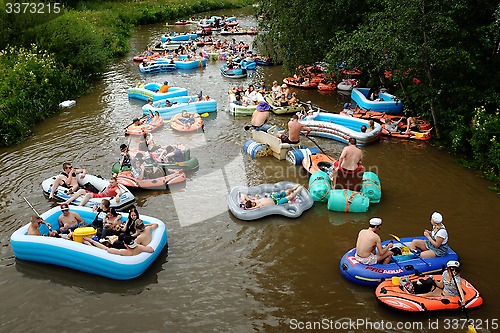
[[279, 198], [370, 260], [349, 172], [286, 139]]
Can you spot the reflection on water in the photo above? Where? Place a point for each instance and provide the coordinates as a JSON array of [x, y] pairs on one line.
[[223, 274]]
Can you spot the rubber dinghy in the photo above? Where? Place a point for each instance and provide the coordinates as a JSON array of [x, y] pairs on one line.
[[81, 257], [127, 198], [236, 198], [407, 264], [393, 294]]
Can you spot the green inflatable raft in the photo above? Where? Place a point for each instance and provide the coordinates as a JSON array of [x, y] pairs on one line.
[[348, 201], [371, 187], [319, 186]]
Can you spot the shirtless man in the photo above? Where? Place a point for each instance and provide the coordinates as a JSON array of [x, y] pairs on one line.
[[67, 221], [294, 129], [351, 157], [143, 232], [112, 190], [68, 179], [369, 242], [35, 224], [260, 117], [277, 198]]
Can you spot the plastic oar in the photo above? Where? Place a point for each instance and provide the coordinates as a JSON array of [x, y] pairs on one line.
[[470, 327], [307, 136], [31, 207], [414, 252]]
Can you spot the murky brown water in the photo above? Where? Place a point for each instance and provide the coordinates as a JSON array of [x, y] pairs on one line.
[[222, 274]]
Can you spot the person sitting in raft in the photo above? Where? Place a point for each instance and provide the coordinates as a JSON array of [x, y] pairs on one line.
[[260, 117], [363, 129], [112, 190], [371, 126], [68, 179], [446, 286], [275, 89], [277, 198], [294, 129], [350, 159], [124, 157], [186, 119], [68, 222], [164, 88], [140, 84], [347, 109], [238, 100], [111, 225], [294, 100], [369, 250], [131, 247], [138, 169], [173, 154], [413, 127], [35, 224], [392, 126], [283, 101], [436, 244], [143, 234]]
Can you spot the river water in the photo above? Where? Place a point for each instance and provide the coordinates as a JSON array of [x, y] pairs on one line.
[[221, 274]]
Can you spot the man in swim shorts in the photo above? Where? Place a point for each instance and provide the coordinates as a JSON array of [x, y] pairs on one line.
[[294, 129], [277, 198], [369, 242]]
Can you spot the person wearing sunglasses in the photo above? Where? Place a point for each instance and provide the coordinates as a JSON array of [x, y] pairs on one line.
[[67, 178]]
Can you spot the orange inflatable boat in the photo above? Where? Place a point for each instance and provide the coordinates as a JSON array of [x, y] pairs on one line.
[[148, 126], [313, 163], [394, 295], [187, 122], [174, 177]]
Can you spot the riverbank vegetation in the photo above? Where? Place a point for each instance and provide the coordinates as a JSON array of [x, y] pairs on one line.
[[441, 58], [48, 58]]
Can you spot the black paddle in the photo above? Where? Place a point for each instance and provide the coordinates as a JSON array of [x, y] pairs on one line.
[[470, 327], [414, 252]]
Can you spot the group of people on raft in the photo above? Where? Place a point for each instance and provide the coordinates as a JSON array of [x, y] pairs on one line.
[[369, 251], [127, 238]]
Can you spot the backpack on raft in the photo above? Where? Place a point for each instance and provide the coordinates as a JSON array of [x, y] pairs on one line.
[[89, 187]]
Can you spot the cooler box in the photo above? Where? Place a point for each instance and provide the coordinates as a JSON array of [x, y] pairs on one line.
[[79, 233]]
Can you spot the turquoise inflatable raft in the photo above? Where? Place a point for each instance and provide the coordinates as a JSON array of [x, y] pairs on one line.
[[371, 187], [319, 186], [348, 201]]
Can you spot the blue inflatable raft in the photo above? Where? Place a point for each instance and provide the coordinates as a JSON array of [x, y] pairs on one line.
[[85, 258], [387, 103], [150, 91], [406, 264]]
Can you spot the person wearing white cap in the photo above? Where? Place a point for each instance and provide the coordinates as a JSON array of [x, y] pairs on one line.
[[446, 286], [369, 250], [436, 244]]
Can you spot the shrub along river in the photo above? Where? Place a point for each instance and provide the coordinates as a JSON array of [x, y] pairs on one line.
[[222, 274]]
